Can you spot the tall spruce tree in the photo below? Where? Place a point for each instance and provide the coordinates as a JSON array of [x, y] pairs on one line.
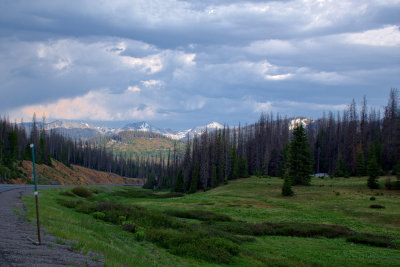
[[195, 179], [243, 169], [179, 186], [234, 164], [299, 157], [287, 185], [360, 171], [373, 172]]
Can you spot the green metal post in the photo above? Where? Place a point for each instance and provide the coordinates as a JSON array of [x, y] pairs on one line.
[[36, 193]]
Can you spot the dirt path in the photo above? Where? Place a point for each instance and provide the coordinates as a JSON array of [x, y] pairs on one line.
[[17, 238]]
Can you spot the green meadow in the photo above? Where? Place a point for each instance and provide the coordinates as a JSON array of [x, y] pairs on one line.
[[245, 223]]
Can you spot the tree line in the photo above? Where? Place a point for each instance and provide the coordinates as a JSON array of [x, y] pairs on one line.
[[340, 144], [50, 144]]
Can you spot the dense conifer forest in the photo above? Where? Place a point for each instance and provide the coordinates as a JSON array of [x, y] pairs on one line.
[[340, 144]]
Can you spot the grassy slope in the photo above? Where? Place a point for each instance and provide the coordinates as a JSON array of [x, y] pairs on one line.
[[59, 173], [144, 147], [334, 201]]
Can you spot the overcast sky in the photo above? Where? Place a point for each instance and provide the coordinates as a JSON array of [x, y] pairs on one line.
[[181, 64]]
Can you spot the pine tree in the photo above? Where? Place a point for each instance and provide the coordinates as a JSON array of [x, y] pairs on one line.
[[299, 158], [398, 170], [373, 172], [360, 164], [179, 186], [340, 168], [234, 171], [243, 169], [195, 179], [214, 181], [287, 185]]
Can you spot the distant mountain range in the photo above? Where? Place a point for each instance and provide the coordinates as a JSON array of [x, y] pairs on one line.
[[85, 130]]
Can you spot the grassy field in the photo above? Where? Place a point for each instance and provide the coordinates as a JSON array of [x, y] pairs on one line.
[[245, 223]]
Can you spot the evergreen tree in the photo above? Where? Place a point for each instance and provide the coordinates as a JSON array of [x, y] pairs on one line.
[[287, 185], [283, 166], [195, 179], [397, 170], [360, 164], [179, 186], [299, 158], [373, 172], [214, 181], [340, 168], [234, 172], [243, 169], [12, 150]]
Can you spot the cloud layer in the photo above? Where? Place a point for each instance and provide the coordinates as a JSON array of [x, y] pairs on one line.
[[185, 63]]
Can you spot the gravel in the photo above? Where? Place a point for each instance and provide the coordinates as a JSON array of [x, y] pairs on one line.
[[18, 239]]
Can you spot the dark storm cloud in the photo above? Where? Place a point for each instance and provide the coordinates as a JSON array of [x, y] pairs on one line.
[[195, 61]]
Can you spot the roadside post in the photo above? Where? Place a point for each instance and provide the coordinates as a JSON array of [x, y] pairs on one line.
[[36, 194]]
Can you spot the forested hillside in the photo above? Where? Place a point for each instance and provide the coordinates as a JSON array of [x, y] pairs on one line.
[[341, 144], [14, 147], [133, 144]]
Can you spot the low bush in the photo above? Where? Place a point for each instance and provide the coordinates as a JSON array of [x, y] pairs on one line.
[[67, 193], [130, 227], [372, 240], [376, 206], [82, 192], [135, 193], [85, 208], [99, 215], [210, 249], [139, 234], [68, 203], [199, 215], [372, 198]]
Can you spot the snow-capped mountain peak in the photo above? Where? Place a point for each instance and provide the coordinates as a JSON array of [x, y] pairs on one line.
[[85, 130]]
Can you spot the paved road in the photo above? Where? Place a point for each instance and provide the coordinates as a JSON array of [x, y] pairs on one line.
[[16, 235], [18, 239]]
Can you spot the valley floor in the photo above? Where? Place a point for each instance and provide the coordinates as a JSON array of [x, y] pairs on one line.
[[339, 202]]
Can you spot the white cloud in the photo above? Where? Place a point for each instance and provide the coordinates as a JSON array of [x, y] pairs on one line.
[[279, 77], [324, 77], [259, 107], [150, 64], [150, 83], [387, 36], [134, 89], [100, 105]]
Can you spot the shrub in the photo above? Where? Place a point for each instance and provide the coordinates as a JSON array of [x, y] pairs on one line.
[[199, 215], [372, 198], [372, 240], [68, 203], [99, 215], [376, 206], [84, 208], [121, 219], [287, 185], [67, 193], [130, 227], [82, 192], [210, 249], [139, 234]]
